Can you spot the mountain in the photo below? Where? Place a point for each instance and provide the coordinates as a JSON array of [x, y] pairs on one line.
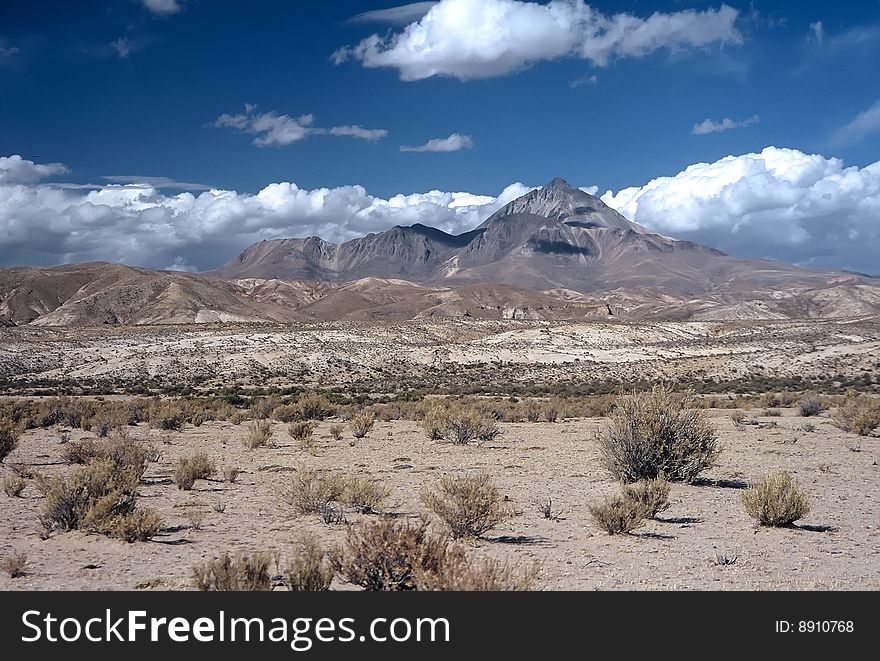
[[554, 253]]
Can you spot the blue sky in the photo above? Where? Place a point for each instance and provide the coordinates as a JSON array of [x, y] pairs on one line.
[[133, 89]]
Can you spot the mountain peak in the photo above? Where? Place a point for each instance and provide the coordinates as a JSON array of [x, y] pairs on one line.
[[560, 184]]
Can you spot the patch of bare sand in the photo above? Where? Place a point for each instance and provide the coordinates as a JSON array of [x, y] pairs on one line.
[[837, 546]]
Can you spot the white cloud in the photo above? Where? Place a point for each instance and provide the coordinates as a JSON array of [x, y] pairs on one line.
[[122, 47], [17, 170], [817, 32], [455, 142], [780, 203], [865, 124], [165, 7], [726, 124], [273, 130], [359, 132], [7, 51], [583, 80], [395, 15], [139, 224], [155, 182], [469, 39]]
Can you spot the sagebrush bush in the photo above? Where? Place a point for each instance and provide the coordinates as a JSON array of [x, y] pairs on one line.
[[9, 438], [301, 431], [810, 405], [361, 424], [243, 573], [651, 495], [197, 466], [365, 495], [859, 414], [469, 505], [309, 491], [13, 485], [259, 433], [313, 407], [123, 452], [336, 431], [167, 415], [308, 569], [461, 573], [776, 500], [230, 474], [15, 565], [658, 432], [459, 424], [139, 526], [618, 514], [387, 554], [91, 498]]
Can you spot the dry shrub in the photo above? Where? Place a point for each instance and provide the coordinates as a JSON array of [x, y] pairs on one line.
[[388, 554], [858, 413], [139, 526], [459, 424], [91, 498], [244, 573], [309, 492], [230, 474], [361, 424], [264, 407], [552, 410], [121, 451], [9, 437], [810, 405], [336, 431], [287, 413], [313, 407], [167, 415], [776, 500], [197, 466], [658, 432], [651, 495], [13, 485], [738, 417], [259, 433], [618, 514], [308, 570], [301, 431], [532, 411], [367, 496], [469, 506], [15, 565], [460, 573]]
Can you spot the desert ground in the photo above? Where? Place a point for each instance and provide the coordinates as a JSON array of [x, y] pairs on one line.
[[704, 541], [837, 546], [451, 355]]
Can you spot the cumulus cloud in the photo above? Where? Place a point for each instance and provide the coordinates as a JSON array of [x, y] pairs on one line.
[[141, 224], [395, 15], [469, 39], [17, 170], [726, 124], [274, 130], [865, 124], [455, 142], [780, 203], [164, 7]]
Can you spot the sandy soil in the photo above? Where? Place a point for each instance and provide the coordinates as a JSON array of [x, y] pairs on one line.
[[837, 546]]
